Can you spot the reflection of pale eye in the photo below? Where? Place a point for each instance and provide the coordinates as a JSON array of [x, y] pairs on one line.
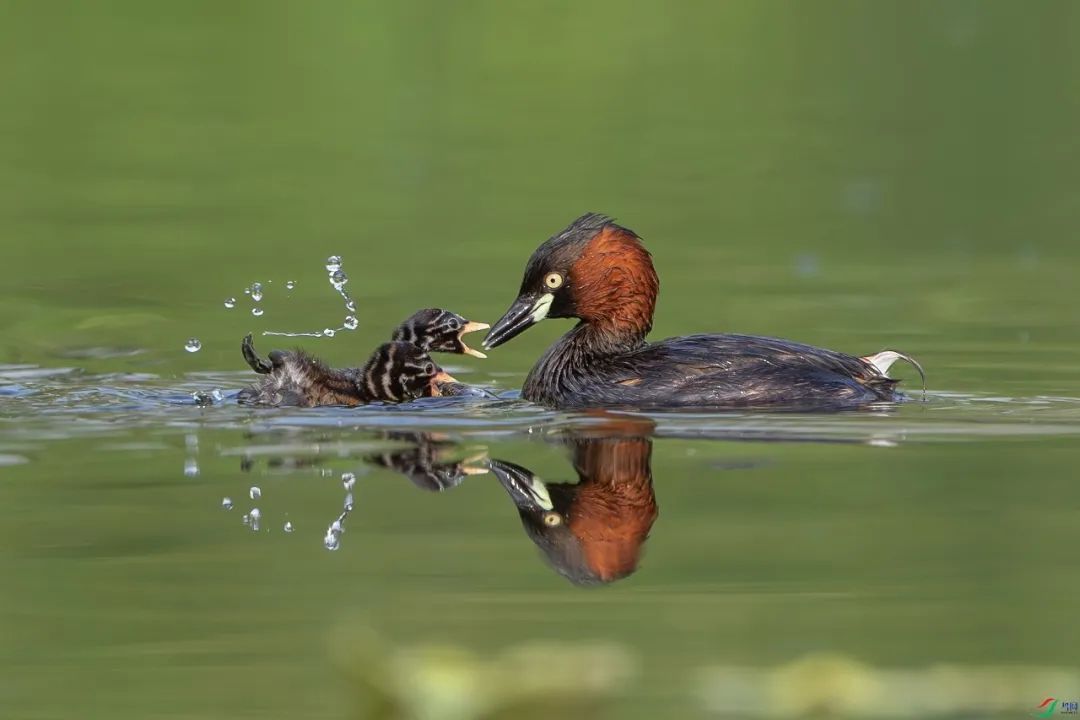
[[552, 519], [553, 280]]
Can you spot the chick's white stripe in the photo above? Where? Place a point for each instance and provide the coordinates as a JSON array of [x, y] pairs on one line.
[[540, 309]]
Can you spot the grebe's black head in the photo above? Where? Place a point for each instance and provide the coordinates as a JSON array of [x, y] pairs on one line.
[[399, 372], [543, 511], [436, 330], [591, 532], [593, 270]]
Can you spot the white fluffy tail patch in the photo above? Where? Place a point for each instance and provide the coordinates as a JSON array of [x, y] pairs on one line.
[[884, 360]]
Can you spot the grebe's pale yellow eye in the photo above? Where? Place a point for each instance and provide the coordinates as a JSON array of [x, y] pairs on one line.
[[553, 280], [552, 519]]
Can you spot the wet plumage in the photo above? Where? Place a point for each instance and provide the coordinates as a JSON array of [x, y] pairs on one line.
[[395, 372]]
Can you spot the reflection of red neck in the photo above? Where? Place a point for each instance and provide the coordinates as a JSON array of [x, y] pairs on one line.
[[615, 285], [614, 507]]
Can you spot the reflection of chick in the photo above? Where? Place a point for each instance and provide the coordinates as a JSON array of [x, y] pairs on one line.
[[429, 463], [591, 532]]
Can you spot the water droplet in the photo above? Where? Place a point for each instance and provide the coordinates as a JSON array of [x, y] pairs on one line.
[[217, 395], [350, 305], [226, 503], [338, 278], [256, 311], [337, 527], [191, 467], [333, 263], [191, 442], [254, 493], [290, 284], [230, 303], [246, 519], [349, 502], [256, 292], [332, 541], [247, 291], [351, 323], [193, 345], [348, 480], [328, 332], [288, 527], [255, 515]]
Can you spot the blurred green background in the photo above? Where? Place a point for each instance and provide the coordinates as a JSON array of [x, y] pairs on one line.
[[857, 175], [853, 174]]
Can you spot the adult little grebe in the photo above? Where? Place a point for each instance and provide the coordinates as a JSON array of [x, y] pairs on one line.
[[600, 273]]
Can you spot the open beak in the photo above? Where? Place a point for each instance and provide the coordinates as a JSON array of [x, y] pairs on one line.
[[526, 490], [465, 330], [475, 464], [526, 311]]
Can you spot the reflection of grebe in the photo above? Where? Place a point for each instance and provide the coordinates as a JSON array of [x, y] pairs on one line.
[[592, 531]]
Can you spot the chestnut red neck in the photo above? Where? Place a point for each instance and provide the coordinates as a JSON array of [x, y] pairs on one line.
[[615, 286]]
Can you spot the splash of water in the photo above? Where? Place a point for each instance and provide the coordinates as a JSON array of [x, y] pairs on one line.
[[338, 279]]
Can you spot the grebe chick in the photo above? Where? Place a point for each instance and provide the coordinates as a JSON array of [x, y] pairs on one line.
[[395, 372], [437, 330]]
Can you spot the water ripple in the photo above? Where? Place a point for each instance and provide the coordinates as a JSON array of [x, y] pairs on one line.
[[43, 403]]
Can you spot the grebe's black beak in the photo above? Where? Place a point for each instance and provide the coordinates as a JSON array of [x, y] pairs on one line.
[[526, 490], [526, 311]]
